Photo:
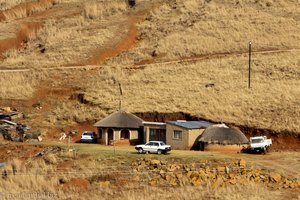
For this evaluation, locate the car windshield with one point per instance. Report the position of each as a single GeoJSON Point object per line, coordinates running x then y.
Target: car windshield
{"type": "Point", "coordinates": [257, 140]}
{"type": "Point", "coordinates": [162, 144]}
{"type": "Point", "coordinates": [87, 133]}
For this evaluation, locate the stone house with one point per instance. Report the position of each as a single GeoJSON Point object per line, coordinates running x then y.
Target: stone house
{"type": "Point", "coordinates": [183, 134]}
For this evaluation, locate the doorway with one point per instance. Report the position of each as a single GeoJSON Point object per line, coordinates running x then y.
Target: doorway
{"type": "Point", "coordinates": [110, 136]}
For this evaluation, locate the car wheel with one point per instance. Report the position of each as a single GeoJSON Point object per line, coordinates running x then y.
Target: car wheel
{"type": "Point", "coordinates": [159, 151]}
{"type": "Point", "coordinates": [140, 150]}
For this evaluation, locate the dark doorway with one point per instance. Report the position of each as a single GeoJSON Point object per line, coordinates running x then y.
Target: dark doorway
{"type": "Point", "coordinates": [100, 133]}
{"type": "Point", "coordinates": [157, 135]}
{"type": "Point", "coordinates": [201, 146]}
{"type": "Point", "coordinates": [110, 136]}
{"type": "Point", "coordinates": [125, 134]}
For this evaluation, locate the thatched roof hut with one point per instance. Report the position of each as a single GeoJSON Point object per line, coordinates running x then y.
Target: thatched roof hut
{"type": "Point", "coordinates": [120, 119]}
{"type": "Point", "coordinates": [223, 135]}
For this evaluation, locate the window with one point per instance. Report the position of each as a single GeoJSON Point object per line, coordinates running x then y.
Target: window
{"type": "Point", "coordinates": [177, 135]}
{"type": "Point", "coordinates": [152, 133]}
{"type": "Point", "coordinates": [162, 144]}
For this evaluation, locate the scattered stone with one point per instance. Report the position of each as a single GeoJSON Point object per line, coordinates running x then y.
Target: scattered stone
{"type": "Point", "coordinates": [275, 177]}
{"type": "Point", "coordinates": [155, 162]}
{"type": "Point", "coordinates": [232, 181]}
{"type": "Point", "coordinates": [242, 163]}
{"type": "Point", "coordinates": [104, 183]}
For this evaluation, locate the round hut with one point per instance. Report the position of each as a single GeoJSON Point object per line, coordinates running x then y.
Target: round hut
{"type": "Point", "coordinates": [223, 138]}
{"type": "Point", "coordinates": [120, 127]}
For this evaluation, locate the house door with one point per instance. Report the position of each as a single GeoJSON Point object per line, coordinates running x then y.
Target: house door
{"type": "Point", "coordinates": [110, 136]}
{"type": "Point", "coordinates": [157, 135]}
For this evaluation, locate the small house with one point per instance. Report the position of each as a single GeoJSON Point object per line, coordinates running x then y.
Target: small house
{"type": "Point", "coordinates": [120, 128]}
{"type": "Point", "coordinates": [221, 137]}
{"type": "Point", "coordinates": [183, 134]}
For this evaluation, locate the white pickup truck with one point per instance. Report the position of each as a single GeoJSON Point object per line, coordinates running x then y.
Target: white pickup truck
{"type": "Point", "coordinates": [260, 144]}
{"type": "Point", "coordinates": [158, 147]}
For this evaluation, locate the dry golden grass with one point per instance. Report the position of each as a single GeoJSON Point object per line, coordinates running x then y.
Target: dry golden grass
{"type": "Point", "coordinates": [189, 28]}
{"type": "Point", "coordinates": [7, 4]}
{"type": "Point", "coordinates": [100, 9]}
{"type": "Point", "coordinates": [182, 87]}
{"type": "Point", "coordinates": [65, 41]}
{"type": "Point", "coordinates": [28, 179]}
{"type": "Point", "coordinates": [38, 177]}
{"type": "Point", "coordinates": [9, 30]}
{"type": "Point", "coordinates": [17, 85]}
{"type": "Point", "coordinates": [24, 11]}
{"type": "Point", "coordinates": [74, 112]}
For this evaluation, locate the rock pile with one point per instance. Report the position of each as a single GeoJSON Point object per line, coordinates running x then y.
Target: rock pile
{"type": "Point", "coordinates": [216, 173]}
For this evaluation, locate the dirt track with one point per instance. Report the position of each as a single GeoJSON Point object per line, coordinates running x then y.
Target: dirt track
{"type": "Point", "coordinates": [100, 58]}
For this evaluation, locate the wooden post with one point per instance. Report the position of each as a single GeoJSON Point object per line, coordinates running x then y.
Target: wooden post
{"type": "Point", "coordinates": [69, 142]}
{"type": "Point", "coordinates": [114, 147]}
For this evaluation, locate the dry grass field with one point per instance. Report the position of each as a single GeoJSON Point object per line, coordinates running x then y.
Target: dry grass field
{"type": "Point", "coordinates": [86, 176]}
{"type": "Point", "coordinates": [186, 56]}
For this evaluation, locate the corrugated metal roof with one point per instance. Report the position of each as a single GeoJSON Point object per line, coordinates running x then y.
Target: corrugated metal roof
{"type": "Point", "coordinates": [154, 123]}
{"type": "Point", "coordinates": [191, 124]}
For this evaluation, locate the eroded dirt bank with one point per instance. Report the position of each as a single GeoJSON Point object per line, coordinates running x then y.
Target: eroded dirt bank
{"type": "Point", "coordinates": [283, 140]}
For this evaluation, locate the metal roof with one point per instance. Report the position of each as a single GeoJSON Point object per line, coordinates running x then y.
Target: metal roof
{"type": "Point", "coordinates": [154, 123]}
{"type": "Point", "coordinates": [191, 124]}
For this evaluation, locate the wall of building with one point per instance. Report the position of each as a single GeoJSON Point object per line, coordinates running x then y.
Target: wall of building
{"type": "Point", "coordinates": [176, 143]}
{"type": "Point", "coordinates": [134, 136]}
{"type": "Point", "coordinates": [147, 131]}
{"type": "Point", "coordinates": [193, 138]}
{"type": "Point", "coordinates": [102, 136]}
{"type": "Point", "coordinates": [224, 148]}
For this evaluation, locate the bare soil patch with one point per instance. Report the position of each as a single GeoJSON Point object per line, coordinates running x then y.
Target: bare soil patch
{"type": "Point", "coordinates": [21, 38]}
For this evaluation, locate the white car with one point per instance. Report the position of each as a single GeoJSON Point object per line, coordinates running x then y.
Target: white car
{"type": "Point", "coordinates": [158, 147]}
{"type": "Point", "coordinates": [260, 144]}
{"type": "Point", "coordinates": [88, 136]}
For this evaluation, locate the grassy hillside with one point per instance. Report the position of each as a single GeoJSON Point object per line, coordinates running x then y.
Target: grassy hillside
{"type": "Point", "coordinates": [214, 35]}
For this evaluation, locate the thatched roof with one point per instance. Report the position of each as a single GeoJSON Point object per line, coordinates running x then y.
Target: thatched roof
{"type": "Point", "coordinates": [120, 119]}
{"type": "Point", "coordinates": [223, 135]}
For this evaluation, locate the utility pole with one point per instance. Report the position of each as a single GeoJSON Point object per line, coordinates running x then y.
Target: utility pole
{"type": "Point", "coordinates": [121, 94]}
{"type": "Point", "coordinates": [249, 70]}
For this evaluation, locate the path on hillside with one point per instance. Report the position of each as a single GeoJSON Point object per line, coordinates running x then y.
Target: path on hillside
{"type": "Point", "coordinates": [121, 44]}
{"type": "Point", "coordinates": [102, 58]}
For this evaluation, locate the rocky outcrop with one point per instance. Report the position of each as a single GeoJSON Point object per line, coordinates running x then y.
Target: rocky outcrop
{"type": "Point", "coordinates": [216, 173]}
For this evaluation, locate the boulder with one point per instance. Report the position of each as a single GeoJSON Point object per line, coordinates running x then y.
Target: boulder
{"type": "Point", "coordinates": [153, 183]}
{"type": "Point", "coordinates": [155, 162]}
{"type": "Point", "coordinates": [221, 169]}
{"type": "Point", "coordinates": [104, 183]}
{"type": "Point", "coordinates": [242, 162]}
{"type": "Point", "coordinates": [275, 177]}
{"type": "Point", "coordinates": [232, 181]}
